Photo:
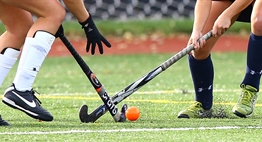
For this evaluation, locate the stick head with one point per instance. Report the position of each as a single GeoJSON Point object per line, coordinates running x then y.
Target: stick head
{"type": "Point", "coordinates": [83, 113]}
{"type": "Point", "coordinates": [123, 113]}
{"type": "Point", "coordinates": [93, 116]}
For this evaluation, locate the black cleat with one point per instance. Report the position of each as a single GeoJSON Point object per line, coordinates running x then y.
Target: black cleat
{"type": "Point", "coordinates": [3, 122]}
{"type": "Point", "coordinates": [26, 102]}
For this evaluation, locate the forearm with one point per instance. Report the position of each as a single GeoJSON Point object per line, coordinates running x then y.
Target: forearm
{"type": "Point", "coordinates": [202, 10]}
{"type": "Point", "coordinates": [236, 7]}
{"type": "Point", "coordinates": [77, 8]}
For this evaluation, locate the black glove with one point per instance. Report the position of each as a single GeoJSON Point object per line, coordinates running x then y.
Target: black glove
{"type": "Point", "coordinates": [93, 36]}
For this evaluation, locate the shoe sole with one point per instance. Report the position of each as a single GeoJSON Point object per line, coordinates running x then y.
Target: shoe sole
{"type": "Point", "coordinates": [183, 116]}
{"type": "Point", "coordinates": [241, 115]}
{"type": "Point", "coordinates": [29, 113]}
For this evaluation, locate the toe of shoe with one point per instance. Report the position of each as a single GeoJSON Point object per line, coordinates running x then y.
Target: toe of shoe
{"type": "Point", "coordinates": [242, 111]}
{"type": "Point", "coordinates": [182, 116]}
{"type": "Point", "coordinates": [4, 123]}
{"type": "Point", "coordinates": [45, 117]}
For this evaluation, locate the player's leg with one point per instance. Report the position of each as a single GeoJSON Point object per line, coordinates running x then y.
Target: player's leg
{"type": "Point", "coordinates": [14, 36]}
{"type": "Point", "coordinates": [201, 68]}
{"type": "Point", "coordinates": [12, 39]}
{"type": "Point", "coordinates": [251, 81]}
{"type": "Point", "coordinates": [49, 14]}
{"type": "Point", "coordinates": [36, 47]}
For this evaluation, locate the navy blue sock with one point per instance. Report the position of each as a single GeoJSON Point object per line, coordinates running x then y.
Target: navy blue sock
{"type": "Point", "coordinates": [254, 61]}
{"type": "Point", "coordinates": [202, 73]}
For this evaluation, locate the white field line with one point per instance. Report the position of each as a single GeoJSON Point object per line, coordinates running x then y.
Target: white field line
{"type": "Point", "coordinates": [130, 130]}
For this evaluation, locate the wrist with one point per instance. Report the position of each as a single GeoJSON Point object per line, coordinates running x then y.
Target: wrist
{"type": "Point", "coordinates": [87, 22]}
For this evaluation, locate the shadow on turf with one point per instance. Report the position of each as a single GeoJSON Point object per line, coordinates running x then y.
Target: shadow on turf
{"type": "Point", "coordinates": [218, 111]}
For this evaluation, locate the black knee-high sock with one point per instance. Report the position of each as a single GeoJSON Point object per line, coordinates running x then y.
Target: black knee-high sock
{"type": "Point", "coordinates": [202, 73]}
{"type": "Point", "coordinates": [254, 61]}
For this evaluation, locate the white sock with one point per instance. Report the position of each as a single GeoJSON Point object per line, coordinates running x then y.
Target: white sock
{"type": "Point", "coordinates": [33, 55]}
{"type": "Point", "coordinates": [7, 60]}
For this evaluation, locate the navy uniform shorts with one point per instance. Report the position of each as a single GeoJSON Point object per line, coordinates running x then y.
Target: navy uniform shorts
{"type": "Point", "coordinates": [245, 15]}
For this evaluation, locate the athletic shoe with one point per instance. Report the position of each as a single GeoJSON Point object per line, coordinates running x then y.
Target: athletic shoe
{"type": "Point", "coordinates": [26, 102]}
{"type": "Point", "coordinates": [195, 111]}
{"type": "Point", "coordinates": [3, 122]}
{"type": "Point", "coordinates": [246, 102]}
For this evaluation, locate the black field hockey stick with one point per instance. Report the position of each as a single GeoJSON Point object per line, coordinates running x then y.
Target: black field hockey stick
{"type": "Point", "coordinates": [118, 117]}
{"type": "Point", "coordinates": [130, 89]}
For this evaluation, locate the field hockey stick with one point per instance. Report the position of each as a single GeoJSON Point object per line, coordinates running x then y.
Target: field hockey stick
{"type": "Point", "coordinates": [118, 117]}
{"type": "Point", "coordinates": [130, 89]}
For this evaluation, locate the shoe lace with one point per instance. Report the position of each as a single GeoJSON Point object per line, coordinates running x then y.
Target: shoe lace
{"type": "Point", "coordinates": [198, 110]}
{"type": "Point", "coordinates": [247, 97]}
{"type": "Point", "coordinates": [195, 107]}
{"type": "Point", "coordinates": [33, 93]}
